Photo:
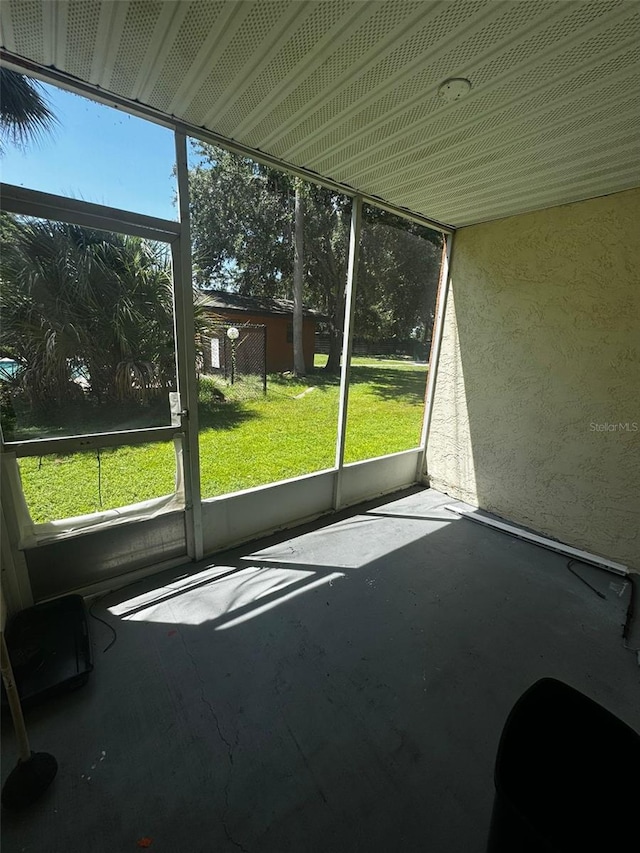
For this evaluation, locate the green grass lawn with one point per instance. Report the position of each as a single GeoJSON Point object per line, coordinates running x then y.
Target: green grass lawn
{"type": "Point", "coordinates": [245, 440]}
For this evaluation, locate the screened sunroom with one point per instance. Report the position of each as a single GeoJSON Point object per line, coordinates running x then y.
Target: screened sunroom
{"type": "Point", "coordinates": [328, 584]}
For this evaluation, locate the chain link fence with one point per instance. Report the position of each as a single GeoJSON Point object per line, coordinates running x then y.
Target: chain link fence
{"type": "Point", "coordinates": [236, 357]}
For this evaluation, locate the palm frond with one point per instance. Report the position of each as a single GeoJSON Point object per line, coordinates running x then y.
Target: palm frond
{"type": "Point", "coordinates": [24, 113]}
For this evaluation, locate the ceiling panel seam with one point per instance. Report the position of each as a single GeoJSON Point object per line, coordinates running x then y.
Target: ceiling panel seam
{"type": "Point", "coordinates": [200, 17]}
{"type": "Point", "coordinates": [19, 27]}
{"type": "Point", "coordinates": [534, 165]}
{"type": "Point", "coordinates": [351, 28]}
{"type": "Point", "coordinates": [408, 71]}
{"type": "Point", "coordinates": [226, 65]}
{"type": "Point", "coordinates": [100, 39]}
{"type": "Point", "coordinates": [171, 18]}
{"type": "Point", "coordinates": [68, 82]}
{"type": "Point", "coordinates": [216, 42]}
{"type": "Point", "coordinates": [112, 18]}
{"type": "Point", "coordinates": [408, 104]}
{"type": "Point", "coordinates": [61, 35]}
{"type": "Point", "coordinates": [482, 215]}
{"type": "Point", "coordinates": [598, 177]}
{"type": "Point", "coordinates": [506, 77]}
{"type": "Point", "coordinates": [7, 34]}
{"type": "Point", "coordinates": [447, 148]}
{"type": "Point", "coordinates": [528, 192]}
{"type": "Point", "coordinates": [134, 44]}
{"type": "Point", "coordinates": [377, 52]}
{"type": "Point", "coordinates": [339, 33]}
{"type": "Point", "coordinates": [552, 115]}
{"type": "Point", "coordinates": [48, 32]}
{"type": "Point", "coordinates": [80, 56]}
{"type": "Point", "coordinates": [598, 189]}
{"type": "Point", "coordinates": [296, 13]}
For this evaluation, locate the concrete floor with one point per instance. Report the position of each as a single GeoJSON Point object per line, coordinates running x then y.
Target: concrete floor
{"type": "Point", "coordinates": [341, 688]}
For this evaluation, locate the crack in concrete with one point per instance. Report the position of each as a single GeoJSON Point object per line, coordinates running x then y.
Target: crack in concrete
{"type": "Point", "coordinates": [207, 703]}
{"type": "Point", "coordinates": [231, 839]}
{"type": "Point", "coordinates": [306, 763]}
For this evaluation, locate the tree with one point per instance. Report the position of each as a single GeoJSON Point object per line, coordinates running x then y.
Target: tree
{"type": "Point", "coordinates": [75, 300]}
{"type": "Point", "coordinates": [298, 281]}
{"type": "Point", "coordinates": [327, 218]}
{"type": "Point", "coordinates": [398, 277]}
{"type": "Point", "coordinates": [243, 226]}
{"type": "Point", "coordinates": [24, 114]}
{"type": "Point", "coordinates": [243, 222]}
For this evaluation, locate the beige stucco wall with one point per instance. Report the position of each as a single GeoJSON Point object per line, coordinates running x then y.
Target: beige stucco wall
{"type": "Point", "coordinates": [541, 347]}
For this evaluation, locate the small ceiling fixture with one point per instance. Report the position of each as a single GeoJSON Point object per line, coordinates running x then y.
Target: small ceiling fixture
{"type": "Point", "coordinates": [453, 89]}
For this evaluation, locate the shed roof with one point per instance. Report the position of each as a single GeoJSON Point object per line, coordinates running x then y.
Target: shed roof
{"type": "Point", "coordinates": [221, 300]}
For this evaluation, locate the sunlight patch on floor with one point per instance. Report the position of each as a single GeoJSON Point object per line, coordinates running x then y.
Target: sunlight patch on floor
{"type": "Point", "coordinates": [213, 594]}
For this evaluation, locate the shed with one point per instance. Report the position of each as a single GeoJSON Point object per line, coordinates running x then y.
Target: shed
{"type": "Point", "coordinates": [276, 315]}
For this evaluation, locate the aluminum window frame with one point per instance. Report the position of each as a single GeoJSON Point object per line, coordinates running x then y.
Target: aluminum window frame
{"type": "Point", "coordinates": [177, 235]}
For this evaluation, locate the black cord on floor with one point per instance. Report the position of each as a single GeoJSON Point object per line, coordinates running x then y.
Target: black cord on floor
{"type": "Point", "coordinates": [629, 618]}
{"type": "Point", "coordinates": [585, 582]}
{"type": "Point", "coordinates": [98, 619]}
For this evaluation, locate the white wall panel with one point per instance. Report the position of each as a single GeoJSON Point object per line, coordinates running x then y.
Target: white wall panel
{"type": "Point", "coordinates": [235, 518]}
{"type": "Point", "coordinates": [364, 480]}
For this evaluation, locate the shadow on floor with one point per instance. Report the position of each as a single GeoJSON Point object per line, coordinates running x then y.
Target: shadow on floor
{"type": "Point", "coordinates": [342, 687]}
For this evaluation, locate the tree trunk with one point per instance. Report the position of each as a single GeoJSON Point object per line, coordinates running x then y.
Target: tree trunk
{"type": "Point", "coordinates": [337, 330]}
{"type": "Point", "coordinates": [298, 280]}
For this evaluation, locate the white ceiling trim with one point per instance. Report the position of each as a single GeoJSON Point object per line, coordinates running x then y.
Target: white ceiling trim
{"type": "Point", "coordinates": [294, 15]}
{"type": "Point", "coordinates": [59, 29]}
{"type": "Point", "coordinates": [217, 41]}
{"type": "Point", "coordinates": [7, 32]}
{"type": "Point", "coordinates": [527, 172]}
{"type": "Point", "coordinates": [589, 186]}
{"type": "Point", "coordinates": [142, 111]}
{"type": "Point", "coordinates": [171, 17]}
{"type": "Point", "coordinates": [110, 30]}
{"type": "Point", "coordinates": [48, 25]}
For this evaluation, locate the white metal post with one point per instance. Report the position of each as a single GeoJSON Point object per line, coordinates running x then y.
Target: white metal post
{"type": "Point", "coordinates": [347, 343]}
{"type": "Point", "coordinates": [16, 585]}
{"type": "Point", "coordinates": [186, 356]}
{"type": "Point", "coordinates": [434, 355]}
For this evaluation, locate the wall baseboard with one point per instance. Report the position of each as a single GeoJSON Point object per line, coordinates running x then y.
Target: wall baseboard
{"type": "Point", "coordinates": [477, 515]}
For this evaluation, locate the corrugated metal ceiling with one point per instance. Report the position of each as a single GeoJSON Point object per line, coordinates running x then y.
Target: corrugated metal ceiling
{"type": "Point", "coordinates": [350, 89]}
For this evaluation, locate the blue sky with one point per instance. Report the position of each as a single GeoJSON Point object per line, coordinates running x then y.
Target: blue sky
{"type": "Point", "coordinates": [98, 154]}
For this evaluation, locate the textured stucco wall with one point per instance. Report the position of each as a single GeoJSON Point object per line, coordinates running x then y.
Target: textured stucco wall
{"type": "Point", "coordinates": [542, 341]}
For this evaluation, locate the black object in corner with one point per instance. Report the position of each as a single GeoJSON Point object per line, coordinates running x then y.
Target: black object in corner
{"type": "Point", "coordinates": [50, 648]}
{"type": "Point", "coordinates": [566, 776]}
